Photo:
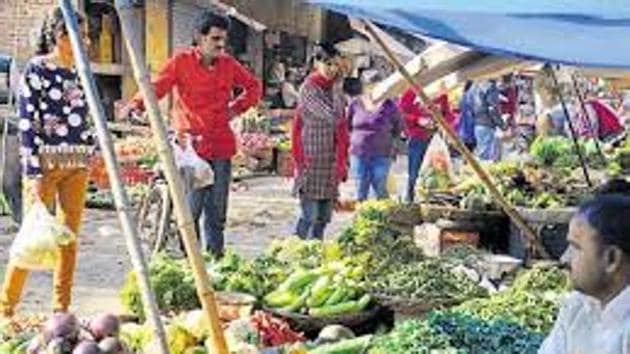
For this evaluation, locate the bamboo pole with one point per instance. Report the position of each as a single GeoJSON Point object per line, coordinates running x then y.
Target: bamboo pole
{"type": "Point", "coordinates": [185, 221]}
{"type": "Point", "coordinates": [576, 144]}
{"type": "Point", "coordinates": [459, 145]}
{"type": "Point", "coordinates": [111, 163]}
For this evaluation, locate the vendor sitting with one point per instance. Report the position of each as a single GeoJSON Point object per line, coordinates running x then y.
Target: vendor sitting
{"type": "Point", "coordinates": [596, 318]}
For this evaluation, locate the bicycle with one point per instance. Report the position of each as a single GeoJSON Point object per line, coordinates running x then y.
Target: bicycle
{"type": "Point", "coordinates": [156, 225]}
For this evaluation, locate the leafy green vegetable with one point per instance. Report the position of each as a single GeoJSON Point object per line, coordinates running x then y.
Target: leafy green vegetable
{"type": "Point", "coordinates": [431, 280]}
{"type": "Point", "coordinates": [373, 239]}
{"type": "Point", "coordinates": [448, 332]}
{"type": "Point", "coordinates": [412, 337]}
{"type": "Point", "coordinates": [532, 302]}
{"type": "Point", "coordinates": [546, 150]}
{"type": "Point", "coordinates": [475, 336]}
{"type": "Point", "coordinates": [172, 283]}
{"type": "Point", "coordinates": [347, 346]}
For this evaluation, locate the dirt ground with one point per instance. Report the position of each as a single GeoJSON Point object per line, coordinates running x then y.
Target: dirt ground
{"type": "Point", "coordinates": [256, 216]}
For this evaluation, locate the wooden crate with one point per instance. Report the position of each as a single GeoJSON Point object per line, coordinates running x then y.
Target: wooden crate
{"type": "Point", "coordinates": [435, 238]}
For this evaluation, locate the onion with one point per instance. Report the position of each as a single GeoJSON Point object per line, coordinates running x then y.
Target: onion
{"type": "Point", "coordinates": [58, 345]}
{"type": "Point", "coordinates": [111, 345]}
{"type": "Point", "coordinates": [61, 324]}
{"type": "Point", "coordinates": [87, 347]}
{"type": "Point", "coordinates": [35, 346]}
{"type": "Point", "coordinates": [105, 325]}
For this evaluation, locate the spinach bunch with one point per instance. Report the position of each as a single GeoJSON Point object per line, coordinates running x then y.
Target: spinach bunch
{"type": "Point", "coordinates": [480, 337]}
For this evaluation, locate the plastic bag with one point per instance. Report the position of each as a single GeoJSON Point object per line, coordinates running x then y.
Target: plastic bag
{"type": "Point", "coordinates": [37, 243]}
{"type": "Point", "coordinates": [436, 171]}
{"type": "Point", "coordinates": [187, 158]}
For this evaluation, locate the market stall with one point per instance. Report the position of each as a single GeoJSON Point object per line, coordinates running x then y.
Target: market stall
{"type": "Point", "coordinates": [356, 292]}
{"type": "Point", "coordinates": [320, 297]}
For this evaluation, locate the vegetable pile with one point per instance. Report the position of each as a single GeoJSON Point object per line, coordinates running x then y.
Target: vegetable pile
{"type": "Point", "coordinates": [188, 333]}
{"type": "Point", "coordinates": [525, 185]}
{"type": "Point", "coordinates": [456, 333]}
{"type": "Point", "coordinates": [532, 301]}
{"type": "Point", "coordinates": [63, 333]}
{"type": "Point", "coordinates": [16, 334]}
{"type": "Point", "coordinates": [137, 155]}
{"type": "Point", "coordinates": [513, 321]}
{"type": "Point", "coordinates": [330, 279]}
{"type": "Point", "coordinates": [173, 283]}
{"type": "Point", "coordinates": [274, 331]}
{"type": "Point", "coordinates": [327, 291]}
{"type": "Point", "coordinates": [412, 336]}
{"type": "Point", "coordinates": [429, 280]}
{"type": "Point", "coordinates": [372, 239]}
{"type": "Point", "coordinates": [255, 143]}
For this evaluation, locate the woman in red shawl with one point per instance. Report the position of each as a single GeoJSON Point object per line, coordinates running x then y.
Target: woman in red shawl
{"type": "Point", "coordinates": [608, 124]}
{"type": "Point", "coordinates": [320, 142]}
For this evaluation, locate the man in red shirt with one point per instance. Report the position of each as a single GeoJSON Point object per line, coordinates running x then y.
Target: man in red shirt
{"type": "Point", "coordinates": [202, 79]}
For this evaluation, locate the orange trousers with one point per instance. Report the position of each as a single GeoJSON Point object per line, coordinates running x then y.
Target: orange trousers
{"type": "Point", "coordinates": [65, 188]}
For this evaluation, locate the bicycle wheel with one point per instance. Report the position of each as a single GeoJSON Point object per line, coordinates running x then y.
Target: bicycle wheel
{"type": "Point", "coordinates": [148, 219]}
{"type": "Point", "coordinates": [163, 226]}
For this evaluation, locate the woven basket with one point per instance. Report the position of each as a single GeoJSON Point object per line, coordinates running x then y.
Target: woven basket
{"type": "Point", "coordinates": [360, 323]}
{"type": "Point", "coordinates": [413, 307]}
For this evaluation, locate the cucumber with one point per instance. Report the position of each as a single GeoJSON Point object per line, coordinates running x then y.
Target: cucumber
{"type": "Point", "coordinates": [321, 291]}
{"type": "Point", "coordinates": [298, 280]}
{"type": "Point", "coordinates": [337, 296]}
{"type": "Point", "coordinates": [348, 346]}
{"type": "Point", "coordinates": [351, 293]}
{"type": "Point", "coordinates": [364, 301]}
{"type": "Point", "coordinates": [321, 284]}
{"type": "Point", "coordinates": [317, 300]}
{"type": "Point", "coordinates": [280, 298]}
{"type": "Point", "coordinates": [335, 310]}
{"type": "Point", "coordinates": [297, 304]}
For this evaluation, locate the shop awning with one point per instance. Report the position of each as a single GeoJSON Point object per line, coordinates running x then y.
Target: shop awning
{"type": "Point", "coordinates": [590, 33]}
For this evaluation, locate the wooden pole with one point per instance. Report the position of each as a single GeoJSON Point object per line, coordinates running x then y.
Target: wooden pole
{"type": "Point", "coordinates": [576, 144]}
{"type": "Point", "coordinates": [186, 224]}
{"type": "Point", "coordinates": [111, 163]}
{"type": "Point", "coordinates": [459, 145]}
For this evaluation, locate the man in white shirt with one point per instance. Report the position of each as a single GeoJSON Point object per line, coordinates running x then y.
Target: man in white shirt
{"type": "Point", "coordinates": [596, 318]}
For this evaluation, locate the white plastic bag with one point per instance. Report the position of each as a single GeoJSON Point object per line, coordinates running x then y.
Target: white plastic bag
{"type": "Point", "coordinates": [436, 171]}
{"type": "Point", "coordinates": [36, 245]}
{"type": "Point", "coordinates": [187, 158]}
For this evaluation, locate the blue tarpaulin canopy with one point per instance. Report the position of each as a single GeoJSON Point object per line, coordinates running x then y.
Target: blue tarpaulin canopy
{"type": "Point", "coordinates": [593, 33]}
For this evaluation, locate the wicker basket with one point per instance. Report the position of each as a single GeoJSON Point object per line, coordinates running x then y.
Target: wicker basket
{"type": "Point", "coordinates": [360, 323]}
{"type": "Point", "coordinates": [413, 307]}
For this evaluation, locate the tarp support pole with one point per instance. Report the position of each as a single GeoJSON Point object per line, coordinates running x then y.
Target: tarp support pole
{"type": "Point", "coordinates": [594, 134]}
{"type": "Point", "coordinates": [111, 163]}
{"type": "Point", "coordinates": [529, 233]}
{"type": "Point", "coordinates": [576, 144]}
{"type": "Point", "coordinates": [180, 206]}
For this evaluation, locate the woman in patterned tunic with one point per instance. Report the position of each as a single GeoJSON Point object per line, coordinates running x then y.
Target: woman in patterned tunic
{"type": "Point", "coordinates": [55, 147]}
{"type": "Point", "coordinates": [320, 142]}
